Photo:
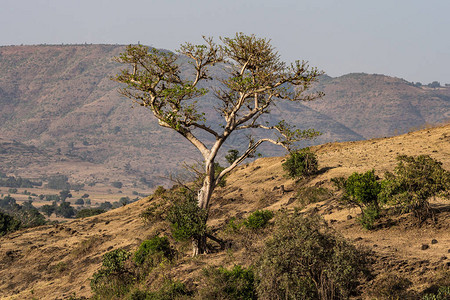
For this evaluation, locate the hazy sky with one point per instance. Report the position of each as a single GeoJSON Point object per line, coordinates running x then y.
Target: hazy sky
{"type": "Point", "coordinates": [409, 39]}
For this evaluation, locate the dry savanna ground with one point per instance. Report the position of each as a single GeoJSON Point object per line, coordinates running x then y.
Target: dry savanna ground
{"type": "Point", "coordinates": [56, 261]}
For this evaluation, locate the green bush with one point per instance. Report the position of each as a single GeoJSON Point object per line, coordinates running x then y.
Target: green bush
{"type": "Point", "coordinates": [113, 279]}
{"type": "Point", "coordinates": [305, 259]}
{"type": "Point", "coordinates": [362, 189]}
{"type": "Point", "coordinates": [301, 163]}
{"type": "Point", "coordinates": [258, 219]}
{"type": "Point", "coordinates": [186, 218]}
{"type": "Point", "coordinates": [88, 212]}
{"type": "Point", "coordinates": [150, 249]}
{"type": "Point", "coordinates": [117, 184]}
{"type": "Point", "coordinates": [415, 180]}
{"type": "Point", "coordinates": [443, 293]}
{"type": "Point", "coordinates": [8, 223]}
{"type": "Point", "coordinates": [220, 283]}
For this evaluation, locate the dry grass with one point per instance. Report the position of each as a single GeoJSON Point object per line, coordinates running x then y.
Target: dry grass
{"type": "Point", "coordinates": [56, 261]}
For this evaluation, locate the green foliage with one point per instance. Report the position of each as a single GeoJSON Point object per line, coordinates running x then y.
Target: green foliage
{"type": "Point", "coordinates": [48, 209]}
{"type": "Point", "coordinates": [232, 155]}
{"type": "Point", "coordinates": [443, 293]}
{"type": "Point", "coordinates": [124, 201]}
{"type": "Point", "coordinates": [414, 182]}
{"type": "Point", "coordinates": [27, 214]}
{"type": "Point", "coordinates": [113, 279]}
{"type": "Point", "coordinates": [8, 223]}
{"type": "Point", "coordinates": [362, 189]}
{"type": "Point", "coordinates": [186, 218]}
{"type": "Point", "coordinates": [88, 212]}
{"type": "Point", "coordinates": [58, 182]}
{"type": "Point", "coordinates": [154, 251]}
{"type": "Point", "coordinates": [258, 219]}
{"type": "Point", "coordinates": [301, 163]}
{"type": "Point", "coordinates": [64, 194]}
{"type": "Point", "coordinates": [117, 184]}
{"type": "Point", "coordinates": [17, 182]}
{"type": "Point", "coordinates": [65, 210]}
{"type": "Point", "coordinates": [220, 283]}
{"type": "Point", "coordinates": [160, 190]}
{"type": "Point", "coordinates": [305, 259]}
{"type": "Point", "coordinates": [106, 205]}
{"type": "Point", "coordinates": [79, 201]}
{"type": "Point", "coordinates": [52, 198]}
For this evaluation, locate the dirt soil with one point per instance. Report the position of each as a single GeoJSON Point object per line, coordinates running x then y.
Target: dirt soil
{"type": "Point", "coordinates": [56, 261]}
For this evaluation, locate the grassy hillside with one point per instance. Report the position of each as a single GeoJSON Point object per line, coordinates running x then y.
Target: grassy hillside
{"type": "Point", "coordinates": [56, 261]}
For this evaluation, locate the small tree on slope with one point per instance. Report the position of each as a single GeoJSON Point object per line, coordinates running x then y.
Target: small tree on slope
{"type": "Point", "coordinates": [257, 79]}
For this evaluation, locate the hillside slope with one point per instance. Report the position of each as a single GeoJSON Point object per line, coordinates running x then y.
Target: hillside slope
{"type": "Point", "coordinates": [55, 261]}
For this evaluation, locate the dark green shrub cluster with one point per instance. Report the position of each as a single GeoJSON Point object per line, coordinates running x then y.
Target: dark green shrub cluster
{"type": "Point", "coordinates": [443, 293]}
{"type": "Point", "coordinates": [362, 189]}
{"type": "Point", "coordinates": [305, 259]}
{"type": "Point", "coordinates": [114, 278]}
{"type": "Point", "coordinates": [8, 223]}
{"type": "Point", "coordinates": [17, 182]}
{"type": "Point", "coordinates": [153, 251]}
{"type": "Point", "coordinates": [220, 283]}
{"type": "Point", "coordinates": [58, 182]}
{"type": "Point", "coordinates": [258, 219]}
{"type": "Point", "coordinates": [301, 163]}
{"type": "Point", "coordinates": [414, 181]}
{"type": "Point", "coordinates": [186, 218]}
{"type": "Point", "coordinates": [26, 214]}
{"type": "Point", "coordinates": [88, 212]}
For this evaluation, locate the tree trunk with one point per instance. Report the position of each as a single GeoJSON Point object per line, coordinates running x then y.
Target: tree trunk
{"type": "Point", "coordinates": [204, 195]}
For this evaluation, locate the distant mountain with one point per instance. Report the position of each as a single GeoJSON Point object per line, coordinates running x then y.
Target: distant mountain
{"type": "Point", "coordinates": [61, 101]}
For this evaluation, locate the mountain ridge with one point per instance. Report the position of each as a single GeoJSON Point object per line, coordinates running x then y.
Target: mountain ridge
{"type": "Point", "coordinates": [60, 98]}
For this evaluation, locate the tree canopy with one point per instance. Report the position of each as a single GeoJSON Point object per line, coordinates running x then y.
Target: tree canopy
{"type": "Point", "coordinates": [256, 80]}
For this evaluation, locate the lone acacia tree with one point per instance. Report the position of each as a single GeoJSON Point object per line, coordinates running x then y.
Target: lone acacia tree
{"type": "Point", "coordinates": [257, 79]}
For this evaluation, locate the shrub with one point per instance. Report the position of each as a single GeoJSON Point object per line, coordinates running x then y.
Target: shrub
{"type": "Point", "coordinates": [306, 260]}
{"type": "Point", "coordinates": [220, 283]}
{"type": "Point", "coordinates": [232, 155]}
{"type": "Point", "coordinates": [8, 223]}
{"type": "Point", "coordinates": [65, 210]}
{"type": "Point", "coordinates": [443, 293]}
{"type": "Point", "coordinates": [186, 218]}
{"type": "Point", "coordinates": [301, 163]}
{"type": "Point", "coordinates": [88, 212]}
{"type": "Point", "coordinates": [113, 279]}
{"type": "Point", "coordinates": [153, 251]}
{"type": "Point", "coordinates": [416, 179]}
{"type": "Point", "coordinates": [79, 201]}
{"type": "Point", "coordinates": [258, 219]}
{"type": "Point", "coordinates": [362, 189]}
{"type": "Point", "coordinates": [160, 190]}
{"type": "Point", "coordinates": [117, 184]}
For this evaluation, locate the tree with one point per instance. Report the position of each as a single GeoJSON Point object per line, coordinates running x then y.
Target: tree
{"type": "Point", "coordinates": [256, 80]}
{"type": "Point", "coordinates": [64, 194]}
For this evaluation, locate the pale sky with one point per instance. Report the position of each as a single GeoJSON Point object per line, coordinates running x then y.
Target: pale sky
{"type": "Point", "coordinates": [409, 39]}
